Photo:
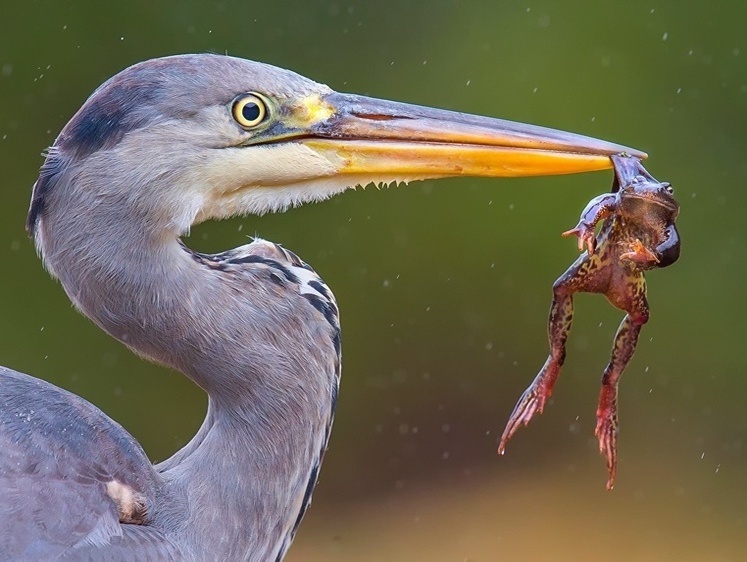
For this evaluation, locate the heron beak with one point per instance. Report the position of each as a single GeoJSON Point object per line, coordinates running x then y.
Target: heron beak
{"type": "Point", "coordinates": [371, 138]}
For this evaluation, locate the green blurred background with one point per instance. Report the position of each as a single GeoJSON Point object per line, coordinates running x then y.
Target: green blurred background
{"type": "Point", "coordinates": [444, 286]}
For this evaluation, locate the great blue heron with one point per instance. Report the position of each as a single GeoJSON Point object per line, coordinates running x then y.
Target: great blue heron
{"type": "Point", "coordinates": [164, 145]}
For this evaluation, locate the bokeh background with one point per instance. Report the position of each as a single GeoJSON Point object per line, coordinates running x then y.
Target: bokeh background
{"type": "Point", "coordinates": [444, 286]}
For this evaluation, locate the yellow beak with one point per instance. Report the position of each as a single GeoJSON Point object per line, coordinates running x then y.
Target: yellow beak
{"type": "Point", "coordinates": [367, 137]}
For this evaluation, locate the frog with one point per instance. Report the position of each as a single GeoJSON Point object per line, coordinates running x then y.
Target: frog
{"type": "Point", "coordinates": [638, 234]}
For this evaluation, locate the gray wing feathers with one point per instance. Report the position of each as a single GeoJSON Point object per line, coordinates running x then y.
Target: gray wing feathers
{"type": "Point", "coordinates": [137, 543]}
{"type": "Point", "coordinates": [57, 454]}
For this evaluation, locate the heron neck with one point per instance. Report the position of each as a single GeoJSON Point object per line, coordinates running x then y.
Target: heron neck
{"type": "Point", "coordinates": [253, 348]}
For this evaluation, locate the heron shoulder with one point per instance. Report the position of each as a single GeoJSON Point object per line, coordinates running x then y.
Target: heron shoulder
{"type": "Point", "coordinates": [49, 439]}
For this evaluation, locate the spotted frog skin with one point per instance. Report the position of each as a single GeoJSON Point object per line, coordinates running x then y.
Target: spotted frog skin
{"type": "Point", "coordinates": [638, 233]}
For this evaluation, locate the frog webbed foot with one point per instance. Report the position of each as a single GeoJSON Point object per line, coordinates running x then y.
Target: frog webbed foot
{"type": "Point", "coordinates": [606, 430]}
{"type": "Point", "coordinates": [532, 401]}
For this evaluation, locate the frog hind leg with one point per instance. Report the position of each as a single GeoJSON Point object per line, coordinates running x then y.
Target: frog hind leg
{"type": "Point", "coordinates": [533, 399]}
{"type": "Point", "coordinates": [635, 304]}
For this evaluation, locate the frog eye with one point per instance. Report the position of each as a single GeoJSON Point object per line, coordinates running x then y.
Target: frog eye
{"type": "Point", "coordinates": [249, 110]}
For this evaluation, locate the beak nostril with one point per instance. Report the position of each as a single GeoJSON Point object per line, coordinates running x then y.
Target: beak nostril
{"type": "Point", "coordinates": [377, 116]}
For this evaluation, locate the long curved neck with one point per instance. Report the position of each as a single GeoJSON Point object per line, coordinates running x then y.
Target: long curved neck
{"type": "Point", "coordinates": [265, 356]}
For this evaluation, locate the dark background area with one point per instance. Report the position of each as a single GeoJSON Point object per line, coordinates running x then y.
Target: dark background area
{"type": "Point", "coordinates": [444, 286]}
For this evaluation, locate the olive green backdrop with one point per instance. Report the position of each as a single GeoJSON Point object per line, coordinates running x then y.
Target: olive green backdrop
{"type": "Point", "coordinates": [444, 286]}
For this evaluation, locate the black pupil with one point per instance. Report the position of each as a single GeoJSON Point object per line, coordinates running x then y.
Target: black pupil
{"type": "Point", "coordinates": [251, 111]}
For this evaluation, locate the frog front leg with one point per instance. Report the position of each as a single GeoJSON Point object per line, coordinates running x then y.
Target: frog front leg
{"type": "Point", "coordinates": [533, 399]}
{"type": "Point", "coordinates": [599, 208]}
{"type": "Point", "coordinates": [629, 295]}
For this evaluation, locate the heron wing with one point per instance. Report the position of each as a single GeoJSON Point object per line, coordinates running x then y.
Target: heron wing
{"type": "Point", "coordinates": [66, 469]}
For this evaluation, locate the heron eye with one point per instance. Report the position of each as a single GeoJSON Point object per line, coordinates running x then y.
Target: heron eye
{"type": "Point", "coordinates": [249, 110]}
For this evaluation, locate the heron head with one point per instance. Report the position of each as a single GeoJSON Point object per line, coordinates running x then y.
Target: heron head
{"type": "Point", "coordinates": [186, 138]}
